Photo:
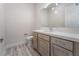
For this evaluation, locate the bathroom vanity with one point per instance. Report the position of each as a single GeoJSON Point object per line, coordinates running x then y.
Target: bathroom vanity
{"type": "Point", "coordinates": [56, 43]}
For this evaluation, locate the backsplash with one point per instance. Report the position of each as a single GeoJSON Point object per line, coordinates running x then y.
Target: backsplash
{"type": "Point", "coordinates": [65, 29]}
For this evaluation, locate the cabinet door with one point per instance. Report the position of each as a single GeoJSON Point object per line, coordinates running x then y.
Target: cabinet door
{"type": "Point", "coordinates": [52, 51]}
{"type": "Point", "coordinates": [35, 42]}
{"type": "Point", "coordinates": [58, 51]}
{"type": "Point", "coordinates": [76, 49]}
{"type": "Point", "coordinates": [43, 47]}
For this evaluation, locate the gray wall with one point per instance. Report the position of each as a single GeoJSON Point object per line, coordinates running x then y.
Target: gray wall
{"type": "Point", "coordinates": [2, 21]}
{"type": "Point", "coordinates": [19, 20]}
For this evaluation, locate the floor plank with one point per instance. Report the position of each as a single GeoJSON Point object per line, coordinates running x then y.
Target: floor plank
{"type": "Point", "coordinates": [21, 50]}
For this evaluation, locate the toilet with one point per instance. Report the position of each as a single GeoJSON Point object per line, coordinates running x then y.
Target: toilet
{"type": "Point", "coordinates": [28, 40]}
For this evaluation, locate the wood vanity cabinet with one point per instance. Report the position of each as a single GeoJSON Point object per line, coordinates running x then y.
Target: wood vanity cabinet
{"type": "Point", "coordinates": [43, 44]}
{"type": "Point", "coordinates": [55, 46]}
{"type": "Point", "coordinates": [35, 40]}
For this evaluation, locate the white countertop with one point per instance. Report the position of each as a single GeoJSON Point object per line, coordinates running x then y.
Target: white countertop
{"type": "Point", "coordinates": [61, 34]}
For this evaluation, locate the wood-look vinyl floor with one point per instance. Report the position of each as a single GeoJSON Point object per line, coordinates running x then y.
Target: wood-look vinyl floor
{"type": "Point", "coordinates": [21, 50]}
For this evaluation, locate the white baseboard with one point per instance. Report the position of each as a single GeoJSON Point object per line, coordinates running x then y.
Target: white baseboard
{"type": "Point", "coordinates": [2, 49]}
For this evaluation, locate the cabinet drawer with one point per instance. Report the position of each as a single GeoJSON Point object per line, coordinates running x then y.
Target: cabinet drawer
{"type": "Point", "coordinates": [35, 37]}
{"type": "Point", "coordinates": [43, 36]}
{"type": "Point", "coordinates": [34, 34]}
{"type": "Point", "coordinates": [63, 43]}
{"type": "Point", "coordinates": [58, 51]}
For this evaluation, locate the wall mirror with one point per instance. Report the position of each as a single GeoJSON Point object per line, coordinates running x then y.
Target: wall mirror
{"type": "Point", "coordinates": [63, 14]}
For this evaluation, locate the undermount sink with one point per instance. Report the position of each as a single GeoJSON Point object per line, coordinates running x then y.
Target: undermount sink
{"type": "Point", "coordinates": [46, 30]}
